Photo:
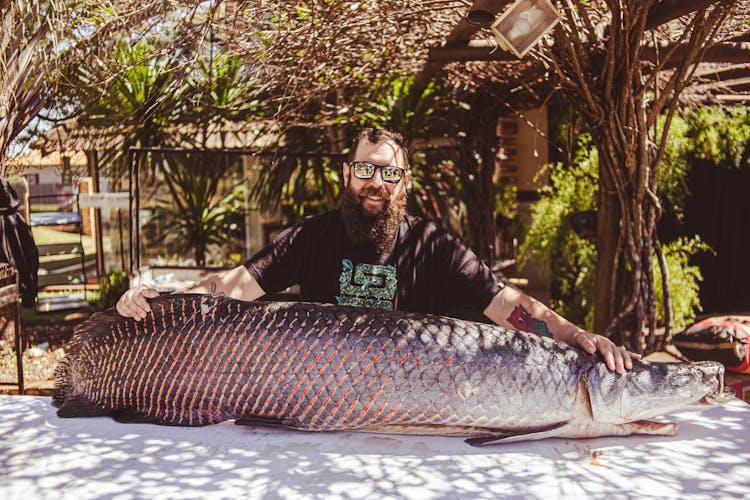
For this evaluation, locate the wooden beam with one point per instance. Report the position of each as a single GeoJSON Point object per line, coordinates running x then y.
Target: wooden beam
{"type": "Point", "coordinates": [733, 98]}
{"type": "Point", "coordinates": [724, 73]}
{"type": "Point", "coordinates": [740, 86]}
{"type": "Point", "coordinates": [718, 53]}
{"type": "Point", "coordinates": [460, 35]}
{"type": "Point", "coordinates": [737, 85]}
{"type": "Point", "coordinates": [742, 37]}
{"type": "Point", "coordinates": [473, 50]}
{"type": "Point", "coordinates": [481, 50]}
{"type": "Point", "coordinates": [667, 10]}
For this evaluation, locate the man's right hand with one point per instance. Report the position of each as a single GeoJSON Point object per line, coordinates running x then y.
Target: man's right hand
{"type": "Point", "coordinates": [133, 303]}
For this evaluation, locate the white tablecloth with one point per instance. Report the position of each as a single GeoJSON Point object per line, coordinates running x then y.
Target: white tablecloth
{"type": "Point", "coordinates": [42, 456]}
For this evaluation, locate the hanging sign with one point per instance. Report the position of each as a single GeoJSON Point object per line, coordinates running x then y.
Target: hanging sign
{"type": "Point", "coordinates": [112, 201]}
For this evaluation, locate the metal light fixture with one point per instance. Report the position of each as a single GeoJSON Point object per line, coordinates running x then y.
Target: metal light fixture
{"type": "Point", "coordinates": [481, 18]}
{"type": "Point", "coordinates": [482, 12]}
{"type": "Point", "coordinates": [524, 24]}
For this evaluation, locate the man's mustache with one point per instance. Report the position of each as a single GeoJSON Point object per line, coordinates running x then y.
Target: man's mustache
{"type": "Point", "coordinates": [372, 191]}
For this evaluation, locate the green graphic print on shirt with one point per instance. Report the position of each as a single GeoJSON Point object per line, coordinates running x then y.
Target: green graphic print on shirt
{"type": "Point", "coordinates": [369, 285]}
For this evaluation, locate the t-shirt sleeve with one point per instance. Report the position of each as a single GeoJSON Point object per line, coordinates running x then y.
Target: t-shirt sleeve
{"type": "Point", "coordinates": [469, 282]}
{"type": "Point", "coordinates": [277, 266]}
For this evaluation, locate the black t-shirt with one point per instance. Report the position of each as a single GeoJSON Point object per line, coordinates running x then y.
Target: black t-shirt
{"type": "Point", "coordinates": [428, 271]}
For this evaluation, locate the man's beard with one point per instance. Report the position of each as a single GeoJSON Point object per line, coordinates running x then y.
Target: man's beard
{"type": "Point", "coordinates": [376, 231]}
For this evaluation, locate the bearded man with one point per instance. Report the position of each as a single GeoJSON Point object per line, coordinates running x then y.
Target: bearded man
{"type": "Point", "coordinates": [369, 252]}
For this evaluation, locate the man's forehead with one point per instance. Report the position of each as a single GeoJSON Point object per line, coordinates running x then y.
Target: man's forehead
{"type": "Point", "coordinates": [386, 151]}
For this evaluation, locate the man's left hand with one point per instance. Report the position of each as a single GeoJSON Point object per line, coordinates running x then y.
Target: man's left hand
{"type": "Point", "coordinates": [617, 358]}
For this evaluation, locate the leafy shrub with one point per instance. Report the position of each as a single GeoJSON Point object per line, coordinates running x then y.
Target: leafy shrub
{"type": "Point", "coordinates": [111, 288]}
{"type": "Point", "coordinates": [684, 280]}
{"type": "Point", "coordinates": [552, 244]}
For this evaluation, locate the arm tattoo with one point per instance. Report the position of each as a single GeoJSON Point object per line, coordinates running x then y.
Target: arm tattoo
{"type": "Point", "coordinates": [212, 289]}
{"type": "Point", "coordinates": [521, 318]}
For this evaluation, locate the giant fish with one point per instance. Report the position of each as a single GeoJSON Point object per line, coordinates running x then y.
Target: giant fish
{"type": "Point", "coordinates": [202, 359]}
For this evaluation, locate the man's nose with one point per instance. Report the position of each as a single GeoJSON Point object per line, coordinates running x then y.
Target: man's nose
{"type": "Point", "coordinates": [377, 178]}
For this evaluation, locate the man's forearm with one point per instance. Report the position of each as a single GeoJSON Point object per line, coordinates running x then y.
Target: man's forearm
{"type": "Point", "coordinates": [512, 308]}
{"type": "Point", "coordinates": [237, 283]}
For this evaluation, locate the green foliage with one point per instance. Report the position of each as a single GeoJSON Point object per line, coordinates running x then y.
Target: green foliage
{"type": "Point", "coordinates": [298, 184]}
{"type": "Point", "coordinates": [222, 91]}
{"type": "Point", "coordinates": [156, 97]}
{"type": "Point", "coordinates": [684, 280]}
{"type": "Point", "coordinates": [131, 99]}
{"type": "Point", "coordinates": [111, 288]}
{"type": "Point", "coordinates": [672, 176]}
{"type": "Point", "coordinates": [398, 106]}
{"type": "Point", "coordinates": [721, 134]}
{"type": "Point", "coordinates": [551, 243]}
{"type": "Point", "coordinates": [716, 134]}
{"type": "Point", "coordinates": [205, 206]}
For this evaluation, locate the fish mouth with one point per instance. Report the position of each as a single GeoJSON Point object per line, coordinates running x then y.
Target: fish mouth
{"type": "Point", "coordinates": [713, 374]}
{"type": "Point", "coordinates": [719, 397]}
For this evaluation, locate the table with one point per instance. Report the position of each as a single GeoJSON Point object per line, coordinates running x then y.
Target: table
{"type": "Point", "coordinates": [43, 456]}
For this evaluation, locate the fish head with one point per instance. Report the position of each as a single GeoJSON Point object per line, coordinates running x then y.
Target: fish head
{"type": "Point", "coordinates": [652, 389]}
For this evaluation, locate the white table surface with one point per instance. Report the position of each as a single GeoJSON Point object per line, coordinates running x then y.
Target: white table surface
{"type": "Point", "coordinates": [42, 456]}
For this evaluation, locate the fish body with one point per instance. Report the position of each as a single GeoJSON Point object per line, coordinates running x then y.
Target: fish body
{"type": "Point", "coordinates": [200, 359]}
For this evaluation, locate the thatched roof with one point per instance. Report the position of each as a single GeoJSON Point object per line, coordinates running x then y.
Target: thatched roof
{"type": "Point", "coordinates": [324, 53]}
{"type": "Point", "coordinates": [345, 44]}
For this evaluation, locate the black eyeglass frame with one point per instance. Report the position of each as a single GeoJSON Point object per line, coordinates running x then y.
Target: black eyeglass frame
{"type": "Point", "coordinates": [377, 166]}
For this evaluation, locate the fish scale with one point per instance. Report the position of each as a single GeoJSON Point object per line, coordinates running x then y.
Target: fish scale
{"type": "Point", "coordinates": [201, 359]}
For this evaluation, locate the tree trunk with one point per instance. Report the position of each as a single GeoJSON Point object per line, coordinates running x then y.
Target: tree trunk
{"type": "Point", "coordinates": [620, 99]}
{"type": "Point", "coordinates": [607, 235]}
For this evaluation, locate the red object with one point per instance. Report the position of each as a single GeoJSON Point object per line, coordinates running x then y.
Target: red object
{"type": "Point", "coordinates": [721, 338]}
{"type": "Point", "coordinates": [742, 390]}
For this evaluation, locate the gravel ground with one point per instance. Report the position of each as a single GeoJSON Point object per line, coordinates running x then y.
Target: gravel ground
{"type": "Point", "coordinates": [43, 342]}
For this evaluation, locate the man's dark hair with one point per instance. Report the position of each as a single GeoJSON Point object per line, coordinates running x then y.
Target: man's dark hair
{"type": "Point", "coordinates": [376, 136]}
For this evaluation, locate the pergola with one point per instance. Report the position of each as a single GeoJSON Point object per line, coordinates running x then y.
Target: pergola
{"type": "Point", "coordinates": [623, 63]}
{"type": "Point", "coordinates": [452, 38]}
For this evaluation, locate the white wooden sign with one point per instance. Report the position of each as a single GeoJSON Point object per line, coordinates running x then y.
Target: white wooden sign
{"type": "Point", "coordinates": [110, 201]}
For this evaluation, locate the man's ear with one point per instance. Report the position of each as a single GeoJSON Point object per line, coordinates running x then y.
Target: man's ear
{"type": "Point", "coordinates": [346, 172]}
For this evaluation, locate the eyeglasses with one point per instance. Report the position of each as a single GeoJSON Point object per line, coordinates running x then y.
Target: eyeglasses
{"type": "Point", "coordinates": [365, 170]}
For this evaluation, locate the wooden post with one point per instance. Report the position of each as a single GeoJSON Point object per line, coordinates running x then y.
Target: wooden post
{"type": "Point", "coordinates": [92, 159]}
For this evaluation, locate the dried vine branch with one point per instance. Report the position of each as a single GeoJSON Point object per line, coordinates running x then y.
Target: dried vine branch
{"type": "Point", "coordinates": [620, 117]}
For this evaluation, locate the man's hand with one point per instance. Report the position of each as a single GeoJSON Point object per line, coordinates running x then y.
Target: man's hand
{"type": "Point", "coordinates": [133, 303]}
{"type": "Point", "coordinates": [617, 358]}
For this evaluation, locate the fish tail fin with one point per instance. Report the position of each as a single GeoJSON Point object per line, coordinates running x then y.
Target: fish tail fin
{"type": "Point", "coordinates": [100, 320]}
{"type": "Point", "coordinates": [79, 406]}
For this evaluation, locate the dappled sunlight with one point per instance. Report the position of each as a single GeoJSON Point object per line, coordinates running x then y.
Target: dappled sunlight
{"type": "Point", "coordinates": [42, 455]}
